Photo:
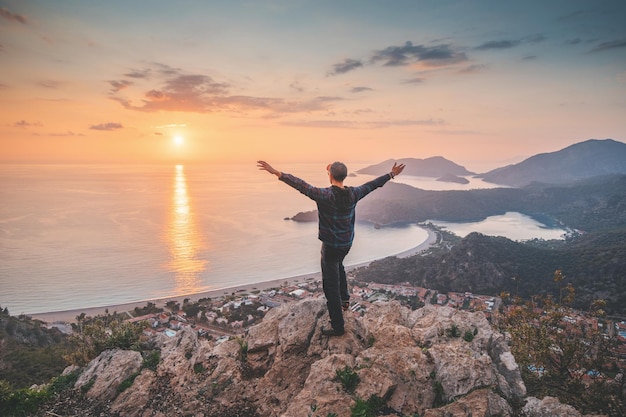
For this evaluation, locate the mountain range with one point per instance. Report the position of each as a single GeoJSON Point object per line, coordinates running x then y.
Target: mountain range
{"type": "Point", "coordinates": [592, 205]}
{"type": "Point", "coordinates": [436, 166]}
{"type": "Point", "coordinates": [579, 161]}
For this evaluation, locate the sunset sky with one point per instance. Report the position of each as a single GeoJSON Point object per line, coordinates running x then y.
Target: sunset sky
{"type": "Point", "coordinates": [482, 83]}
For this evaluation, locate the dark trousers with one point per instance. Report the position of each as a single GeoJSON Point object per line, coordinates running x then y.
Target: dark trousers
{"type": "Point", "coordinates": [334, 283]}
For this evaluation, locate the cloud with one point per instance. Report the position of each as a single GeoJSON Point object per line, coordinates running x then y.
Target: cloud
{"type": "Point", "coordinates": [360, 89]}
{"type": "Point", "coordinates": [534, 38]}
{"type": "Point", "coordinates": [24, 124]}
{"type": "Point", "coordinates": [471, 69]}
{"type": "Point", "coordinates": [510, 43]}
{"type": "Point", "coordinates": [119, 85]}
{"type": "Point", "coordinates": [13, 17]}
{"type": "Point", "coordinates": [171, 89]}
{"type": "Point", "coordinates": [296, 86]}
{"type": "Point", "coordinates": [576, 15]}
{"type": "Point", "coordinates": [438, 55]}
{"type": "Point", "coordinates": [171, 125]}
{"type": "Point", "coordinates": [574, 41]}
{"type": "Point", "coordinates": [346, 66]}
{"type": "Point", "coordinates": [138, 74]}
{"type": "Point", "coordinates": [158, 134]}
{"type": "Point", "coordinates": [107, 126]}
{"type": "Point", "coordinates": [501, 44]}
{"type": "Point", "coordinates": [618, 43]}
{"type": "Point", "coordinates": [49, 84]}
{"type": "Point", "coordinates": [349, 124]}
{"type": "Point", "coordinates": [67, 133]}
{"type": "Point", "coordinates": [416, 80]}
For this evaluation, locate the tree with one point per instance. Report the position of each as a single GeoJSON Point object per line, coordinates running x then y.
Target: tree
{"type": "Point", "coordinates": [560, 353]}
{"type": "Point", "coordinates": [92, 336]}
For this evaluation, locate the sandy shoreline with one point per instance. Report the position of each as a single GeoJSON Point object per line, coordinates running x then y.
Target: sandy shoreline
{"type": "Point", "coordinates": [69, 316]}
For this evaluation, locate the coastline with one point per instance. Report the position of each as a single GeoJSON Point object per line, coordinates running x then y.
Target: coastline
{"type": "Point", "coordinates": [69, 316]}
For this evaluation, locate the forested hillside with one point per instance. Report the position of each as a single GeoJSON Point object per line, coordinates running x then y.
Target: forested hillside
{"type": "Point", "coordinates": [595, 264]}
{"type": "Point", "coordinates": [594, 204]}
{"type": "Point", "coordinates": [29, 352]}
{"type": "Point", "coordinates": [593, 258]}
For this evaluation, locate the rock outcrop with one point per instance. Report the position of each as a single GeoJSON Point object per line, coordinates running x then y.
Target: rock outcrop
{"type": "Point", "coordinates": [435, 361]}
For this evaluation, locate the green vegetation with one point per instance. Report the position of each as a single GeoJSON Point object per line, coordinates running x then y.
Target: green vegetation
{"type": "Point", "coordinates": [489, 265]}
{"type": "Point", "coordinates": [30, 353]}
{"type": "Point", "coordinates": [593, 205]}
{"type": "Point", "coordinates": [33, 351]}
{"type": "Point", "coordinates": [468, 336]}
{"type": "Point", "coordinates": [127, 383]}
{"type": "Point", "coordinates": [93, 336]}
{"type": "Point", "coordinates": [369, 408]}
{"type": "Point", "coordinates": [25, 401]}
{"type": "Point", "coordinates": [150, 308]}
{"type": "Point", "coordinates": [244, 348]}
{"type": "Point", "coordinates": [453, 331]}
{"type": "Point", "coordinates": [348, 378]}
{"type": "Point", "coordinates": [563, 357]}
{"type": "Point", "coordinates": [151, 360]}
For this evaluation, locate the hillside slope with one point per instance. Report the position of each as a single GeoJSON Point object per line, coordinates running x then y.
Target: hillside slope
{"type": "Point", "coordinates": [392, 360]}
{"type": "Point", "coordinates": [594, 264]}
{"type": "Point", "coordinates": [579, 161]}
{"type": "Point", "coordinates": [435, 167]}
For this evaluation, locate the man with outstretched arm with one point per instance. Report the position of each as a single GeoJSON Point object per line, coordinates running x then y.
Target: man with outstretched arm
{"type": "Point", "coordinates": [335, 208]}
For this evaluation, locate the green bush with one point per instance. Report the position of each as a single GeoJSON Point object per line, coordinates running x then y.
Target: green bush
{"type": "Point", "coordinates": [127, 383]}
{"type": "Point", "coordinates": [369, 408]}
{"type": "Point", "coordinates": [348, 378]}
{"type": "Point", "coordinates": [151, 360]}
{"type": "Point", "coordinates": [85, 388]}
{"type": "Point", "coordinates": [24, 402]}
{"type": "Point", "coordinates": [198, 368]}
{"type": "Point", "coordinates": [468, 336]}
{"type": "Point", "coordinates": [244, 349]}
{"type": "Point", "coordinates": [453, 331]}
{"type": "Point", "coordinates": [93, 336]}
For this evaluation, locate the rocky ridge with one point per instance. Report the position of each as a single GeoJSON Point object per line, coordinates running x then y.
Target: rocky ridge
{"type": "Point", "coordinates": [412, 362]}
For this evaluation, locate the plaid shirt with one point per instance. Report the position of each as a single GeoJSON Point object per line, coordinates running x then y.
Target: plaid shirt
{"type": "Point", "coordinates": [336, 223]}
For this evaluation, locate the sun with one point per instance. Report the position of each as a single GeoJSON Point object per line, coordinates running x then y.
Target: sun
{"type": "Point", "coordinates": [178, 140]}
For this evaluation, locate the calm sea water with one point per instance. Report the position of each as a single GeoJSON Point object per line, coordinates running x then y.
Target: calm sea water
{"type": "Point", "coordinates": [78, 236]}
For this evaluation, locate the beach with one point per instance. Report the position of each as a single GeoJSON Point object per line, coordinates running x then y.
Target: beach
{"type": "Point", "coordinates": [69, 316]}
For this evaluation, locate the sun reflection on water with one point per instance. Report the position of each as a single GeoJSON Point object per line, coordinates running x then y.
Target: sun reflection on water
{"type": "Point", "coordinates": [185, 240]}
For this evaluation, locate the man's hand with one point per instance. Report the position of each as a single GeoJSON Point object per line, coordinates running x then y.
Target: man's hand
{"type": "Point", "coordinates": [397, 169]}
{"type": "Point", "coordinates": [264, 166]}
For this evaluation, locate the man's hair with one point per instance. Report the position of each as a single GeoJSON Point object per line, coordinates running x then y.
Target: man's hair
{"type": "Point", "coordinates": [339, 171]}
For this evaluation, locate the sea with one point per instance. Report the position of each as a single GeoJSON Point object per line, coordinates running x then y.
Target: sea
{"type": "Point", "coordinates": [80, 236]}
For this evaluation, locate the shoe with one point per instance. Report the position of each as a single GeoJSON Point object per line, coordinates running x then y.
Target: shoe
{"type": "Point", "coordinates": [332, 332]}
{"type": "Point", "coordinates": [345, 305]}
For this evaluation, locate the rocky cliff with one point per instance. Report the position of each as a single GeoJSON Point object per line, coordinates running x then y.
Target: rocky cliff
{"type": "Point", "coordinates": [434, 361]}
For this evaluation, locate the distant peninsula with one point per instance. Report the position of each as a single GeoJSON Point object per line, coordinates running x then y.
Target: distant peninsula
{"type": "Point", "coordinates": [435, 167]}
{"type": "Point", "coordinates": [453, 178]}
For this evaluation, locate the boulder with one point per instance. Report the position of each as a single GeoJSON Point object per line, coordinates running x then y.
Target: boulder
{"type": "Point", "coordinates": [103, 376]}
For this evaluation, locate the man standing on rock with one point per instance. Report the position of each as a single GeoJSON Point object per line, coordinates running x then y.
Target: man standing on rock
{"type": "Point", "coordinates": [335, 208]}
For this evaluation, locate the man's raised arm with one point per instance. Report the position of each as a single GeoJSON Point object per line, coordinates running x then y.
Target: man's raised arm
{"type": "Point", "coordinates": [264, 166]}
{"type": "Point", "coordinates": [396, 169]}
